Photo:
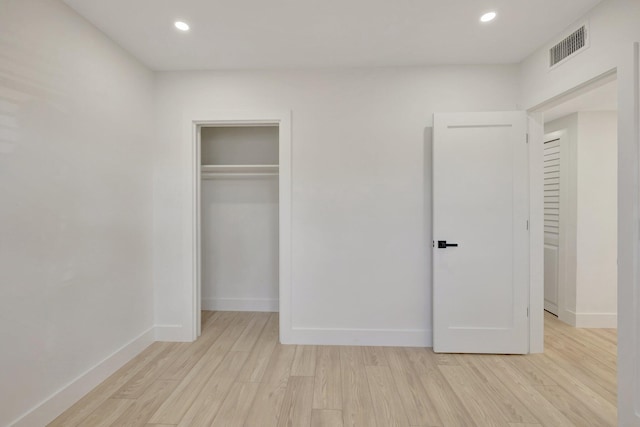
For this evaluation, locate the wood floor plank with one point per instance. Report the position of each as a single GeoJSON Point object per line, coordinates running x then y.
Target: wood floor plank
{"type": "Point", "coordinates": [209, 382]}
{"type": "Point", "coordinates": [577, 372]}
{"type": "Point", "coordinates": [448, 405]}
{"type": "Point", "coordinates": [138, 414]}
{"type": "Point", "coordinates": [297, 403]}
{"type": "Point", "coordinates": [107, 413]}
{"type": "Point", "coordinates": [446, 359]}
{"type": "Point", "coordinates": [326, 418]}
{"type": "Point", "coordinates": [374, 356]}
{"type": "Point", "coordinates": [512, 409]}
{"type": "Point", "coordinates": [178, 403]}
{"type": "Point", "coordinates": [75, 415]}
{"type": "Point", "coordinates": [415, 400]}
{"type": "Point", "coordinates": [250, 335]}
{"type": "Point", "coordinates": [180, 367]}
{"type": "Point", "coordinates": [279, 367]}
{"type": "Point", "coordinates": [484, 410]}
{"type": "Point", "coordinates": [134, 388]}
{"type": "Point", "coordinates": [594, 373]}
{"type": "Point", "coordinates": [256, 365]}
{"type": "Point", "coordinates": [206, 315]}
{"type": "Point", "coordinates": [598, 406]}
{"type": "Point", "coordinates": [327, 393]}
{"type": "Point", "coordinates": [579, 413]}
{"type": "Point", "coordinates": [304, 362]}
{"type": "Point", "coordinates": [422, 360]}
{"type": "Point", "coordinates": [593, 338]}
{"type": "Point", "coordinates": [531, 373]}
{"type": "Point", "coordinates": [208, 402]}
{"type": "Point", "coordinates": [387, 405]}
{"type": "Point", "coordinates": [235, 409]}
{"type": "Point", "coordinates": [357, 407]}
{"type": "Point", "coordinates": [267, 404]}
{"type": "Point", "coordinates": [517, 385]}
{"type": "Point", "coordinates": [582, 339]}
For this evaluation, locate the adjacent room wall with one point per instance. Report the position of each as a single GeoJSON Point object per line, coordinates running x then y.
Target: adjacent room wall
{"type": "Point", "coordinates": [361, 215]}
{"type": "Point", "coordinates": [590, 218]}
{"type": "Point", "coordinates": [597, 254]}
{"type": "Point", "coordinates": [75, 208]}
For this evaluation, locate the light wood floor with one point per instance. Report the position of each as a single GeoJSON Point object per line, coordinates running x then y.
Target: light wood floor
{"type": "Point", "coordinates": [237, 374]}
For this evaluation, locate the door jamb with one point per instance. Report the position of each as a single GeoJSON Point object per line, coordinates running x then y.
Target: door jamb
{"type": "Point", "coordinates": [219, 119]}
{"type": "Point", "coordinates": [536, 302]}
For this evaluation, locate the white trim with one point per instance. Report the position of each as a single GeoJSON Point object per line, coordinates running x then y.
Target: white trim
{"type": "Point", "coordinates": [240, 304]}
{"type": "Point", "coordinates": [193, 121]}
{"type": "Point", "coordinates": [63, 399]}
{"type": "Point", "coordinates": [536, 233]}
{"type": "Point", "coordinates": [537, 229]}
{"type": "Point", "coordinates": [360, 337]}
{"type": "Point", "coordinates": [171, 333]}
{"type": "Point", "coordinates": [594, 320]}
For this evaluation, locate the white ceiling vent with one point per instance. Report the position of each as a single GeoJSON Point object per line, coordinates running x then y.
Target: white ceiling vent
{"type": "Point", "coordinates": [575, 42]}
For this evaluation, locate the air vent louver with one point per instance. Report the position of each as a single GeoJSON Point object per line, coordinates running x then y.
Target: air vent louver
{"type": "Point", "coordinates": [569, 46]}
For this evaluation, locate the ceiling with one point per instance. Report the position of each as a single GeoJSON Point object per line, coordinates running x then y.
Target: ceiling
{"type": "Point", "coordinates": [603, 98]}
{"type": "Point", "coordinates": [242, 34]}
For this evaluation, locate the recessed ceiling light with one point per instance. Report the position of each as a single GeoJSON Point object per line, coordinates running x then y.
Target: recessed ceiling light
{"type": "Point", "coordinates": [182, 26]}
{"type": "Point", "coordinates": [489, 16]}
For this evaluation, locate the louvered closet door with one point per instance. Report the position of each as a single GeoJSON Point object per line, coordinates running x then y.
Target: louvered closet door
{"type": "Point", "coordinates": [552, 210]}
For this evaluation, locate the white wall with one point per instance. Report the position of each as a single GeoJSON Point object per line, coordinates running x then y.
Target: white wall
{"type": "Point", "coordinates": [590, 218]}
{"type": "Point", "coordinates": [614, 30]}
{"type": "Point", "coordinates": [75, 207]}
{"type": "Point", "coordinates": [596, 276]}
{"type": "Point", "coordinates": [240, 222]}
{"type": "Point", "coordinates": [361, 220]}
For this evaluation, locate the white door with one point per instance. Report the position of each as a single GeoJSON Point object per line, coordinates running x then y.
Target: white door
{"type": "Point", "coordinates": [480, 204]}
{"type": "Point", "coordinates": [552, 184]}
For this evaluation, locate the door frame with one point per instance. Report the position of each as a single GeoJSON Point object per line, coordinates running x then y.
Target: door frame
{"type": "Point", "coordinates": [222, 119]}
{"type": "Point", "coordinates": [528, 129]}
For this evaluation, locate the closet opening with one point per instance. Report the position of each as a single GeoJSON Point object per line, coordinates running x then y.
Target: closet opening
{"type": "Point", "coordinates": [242, 220]}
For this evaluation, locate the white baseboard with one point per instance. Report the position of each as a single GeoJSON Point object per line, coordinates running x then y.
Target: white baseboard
{"type": "Point", "coordinates": [240, 304]}
{"type": "Point", "coordinates": [64, 398]}
{"type": "Point", "coordinates": [369, 337]}
{"type": "Point", "coordinates": [595, 320]}
{"type": "Point", "coordinates": [171, 333]}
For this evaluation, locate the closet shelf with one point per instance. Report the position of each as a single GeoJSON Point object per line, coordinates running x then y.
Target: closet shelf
{"type": "Point", "coordinates": [221, 171]}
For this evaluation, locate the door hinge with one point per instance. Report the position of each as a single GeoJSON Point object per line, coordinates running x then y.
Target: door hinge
{"type": "Point", "coordinates": [527, 311]}
{"type": "Point", "coordinates": [527, 224]}
{"type": "Point", "coordinates": [527, 138]}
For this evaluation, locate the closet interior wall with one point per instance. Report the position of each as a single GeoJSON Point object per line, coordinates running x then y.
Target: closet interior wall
{"type": "Point", "coordinates": [239, 202]}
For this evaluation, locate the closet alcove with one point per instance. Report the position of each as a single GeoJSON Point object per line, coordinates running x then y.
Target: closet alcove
{"type": "Point", "coordinates": [239, 218]}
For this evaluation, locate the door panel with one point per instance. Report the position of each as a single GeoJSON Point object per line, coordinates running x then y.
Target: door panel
{"type": "Point", "coordinates": [551, 278]}
{"type": "Point", "coordinates": [481, 202]}
{"type": "Point", "coordinates": [552, 209]}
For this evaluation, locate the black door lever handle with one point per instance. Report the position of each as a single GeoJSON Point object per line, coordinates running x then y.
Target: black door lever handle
{"type": "Point", "coordinates": [442, 244]}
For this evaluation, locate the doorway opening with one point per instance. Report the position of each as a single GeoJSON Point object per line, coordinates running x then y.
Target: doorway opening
{"type": "Point", "coordinates": [580, 207]}
{"type": "Point", "coordinates": [239, 218]}
{"type": "Point", "coordinates": [242, 220]}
